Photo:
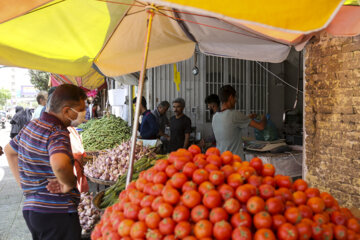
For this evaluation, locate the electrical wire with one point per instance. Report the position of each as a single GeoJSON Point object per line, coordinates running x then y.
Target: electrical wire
{"type": "Point", "coordinates": [297, 89]}
{"type": "Point", "coordinates": [295, 160]}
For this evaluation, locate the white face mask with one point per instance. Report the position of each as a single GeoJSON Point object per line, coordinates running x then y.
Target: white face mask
{"type": "Point", "coordinates": [79, 120]}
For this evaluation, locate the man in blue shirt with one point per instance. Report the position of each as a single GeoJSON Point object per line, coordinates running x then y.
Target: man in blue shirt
{"type": "Point", "coordinates": [148, 128]}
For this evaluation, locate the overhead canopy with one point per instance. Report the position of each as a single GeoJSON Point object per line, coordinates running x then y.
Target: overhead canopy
{"type": "Point", "coordinates": [71, 37]}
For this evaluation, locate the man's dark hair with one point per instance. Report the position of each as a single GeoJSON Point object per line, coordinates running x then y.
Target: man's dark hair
{"type": "Point", "coordinates": [40, 97]}
{"type": "Point", "coordinates": [143, 101]}
{"type": "Point", "coordinates": [164, 104]}
{"type": "Point", "coordinates": [179, 100]}
{"type": "Point", "coordinates": [212, 98]}
{"type": "Point", "coordinates": [225, 92]}
{"type": "Point", "coordinates": [66, 95]}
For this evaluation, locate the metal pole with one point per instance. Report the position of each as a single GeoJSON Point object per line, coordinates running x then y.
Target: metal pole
{"type": "Point", "coordinates": [151, 12]}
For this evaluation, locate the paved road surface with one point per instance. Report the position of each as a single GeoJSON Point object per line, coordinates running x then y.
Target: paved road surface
{"type": "Point", "coordinates": [12, 224]}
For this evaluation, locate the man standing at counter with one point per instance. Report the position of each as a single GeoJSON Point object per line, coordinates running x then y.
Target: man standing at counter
{"type": "Point", "coordinates": [180, 126]}
{"type": "Point", "coordinates": [161, 118]}
{"type": "Point", "coordinates": [229, 123]}
{"type": "Point", "coordinates": [148, 128]}
{"type": "Point", "coordinates": [40, 158]}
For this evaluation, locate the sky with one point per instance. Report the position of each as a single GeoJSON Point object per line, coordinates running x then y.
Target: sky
{"type": "Point", "coordinates": [21, 76]}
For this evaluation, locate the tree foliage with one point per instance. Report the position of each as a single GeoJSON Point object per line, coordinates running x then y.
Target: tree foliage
{"type": "Point", "coordinates": [5, 94]}
{"type": "Point", "coordinates": [40, 79]}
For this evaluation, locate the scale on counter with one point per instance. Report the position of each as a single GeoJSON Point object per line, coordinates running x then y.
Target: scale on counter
{"type": "Point", "coordinates": [265, 146]}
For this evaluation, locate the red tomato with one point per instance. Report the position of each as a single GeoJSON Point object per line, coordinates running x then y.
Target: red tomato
{"type": "Point", "coordinates": [312, 192]}
{"type": "Point", "coordinates": [206, 186]}
{"type": "Point", "coordinates": [136, 196]}
{"type": "Point", "coordinates": [191, 198]}
{"type": "Point", "coordinates": [243, 193]}
{"type": "Point", "coordinates": [227, 157]}
{"type": "Point", "coordinates": [185, 153]}
{"type": "Point", "coordinates": [170, 237]}
{"type": "Point", "coordinates": [306, 211]}
{"type": "Point", "coordinates": [140, 184]}
{"type": "Point", "coordinates": [182, 229]}
{"type": "Point", "coordinates": [189, 185]}
{"type": "Point", "coordinates": [266, 191]}
{"type": "Point", "coordinates": [200, 162]}
{"type": "Point", "coordinates": [232, 205]}
{"type": "Point", "coordinates": [150, 173]}
{"type": "Point", "coordinates": [262, 220]}
{"type": "Point", "coordinates": [214, 159]}
{"type": "Point", "coordinates": [285, 193]}
{"type": "Point", "coordinates": [269, 180]}
{"type": "Point", "coordinates": [351, 235]}
{"type": "Point", "coordinates": [160, 177]}
{"type": "Point", "coordinates": [340, 232]}
{"type": "Point", "coordinates": [178, 180]}
{"type": "Point", "coordinates": [170, 170]}
{"type": "Point", "coordinates": [300, 185]}
{"type": "Point", "coordinates": [200, 176]}
{"type": "Point", "coordinates": [235, 180]}
{"type": "Point", "coordinates": [277, 221]}
{"type": "Point", "coordinates": [222, 230]}
{"type": "Point", "coordinates": [147, 201]}
{"type": "Point", "coordinates": [228, 170]}
{"type": "Point", "coordinates": [226, 191]}
{"type": "Point", "coordinates": [153, 235]}
{"type": "Point", "coordinates": [317, 231]}
{"type": "Point", "coordinates": [246, 171]}
{"type": "Point", "coordinates": [167, 226]}
{"type": "Point", "coordinates": [328, 199]}
{"type": "Point", "coordinates": [199, 212]}
{"type": "Point", "coordinates": [211, 167]}
{"type": "Point", "coordinates": [257, 164]}
{"type": "Point", "coordinates": [152, 220]}
{"type": "Point", "coordinates": [131, 211]}
{"type": "Point", "coordinates": [316, 204]}
{"type": "Point", "coordinates": [217, 177]}
{"type": "Point", "coordinates": [293, 215]}
{"type": "Point", "coordinates": [116, 217]}
{"type": "Point", "coordinates": [218, 214]}
{"type": "Point", "coordinates": [171, 196]}
{"type": "Point", "coordinates": [203, 229]}
{"type": "Point", "coordinates": [190, 238]}
{"type": "Point", "coordinates": [327, 232]}
{"type": "Point", "coordinates": [161, 164]}
{"type": "Point", "coordinates": [274, 206]}
{"type": "Point", "coordinates": [255, 204]}
{"type": "Point", "coordinates": [147, 187]}
{"type": "Point", "coordinates": [284, 181]}
{"type": "Point", "coordinates": [304, 230]}
{"type": "Point", "coordinates": [287, 231]}
{"type": "Point", "coordinates": [194, 149]}
{"type": "Point", "coordinates": [156, 189]}
{"type": "Point", "coordinates": [180, 162]}
{"type": "Point", "coordinates": [338, 218]}
{"type": "Point", "coordinates": [264, 234]}
{"type": "Point", "coordinates": [299, 197]}
{"type": "Point", "coordinates": [181, 213]}
{"type": "Point", "coordinates": [157, 201]}
{"type": "Point", "coordinates": [353, 224]}
{"type": "Point", "coordinates": [255, 180]}
{"type": "Point", "coordinates": [237, 158]}
{"type": "Point", "coordinates": [212, 199]}
{"type": "Point", "coordinates": [143, 213]}
{"type": "Point", "coordinates": [125, 227]}
{"type": "Point", "coordinates": [212, 151]}
{"type": "Point", "coordinates": [268, 170]}
{"type": "Point", "coordinates": [138, 230]}
{"type": "Point", "coordinates": [189, 169]}
{"type": "Point", "coordinates": [241, 219]}
{"type": "Point", "coordinates": [165, 210]}
{"type": "Point", "coordinates": [320, 218]}
{"type": "Point", "coordinates": [241, 233]}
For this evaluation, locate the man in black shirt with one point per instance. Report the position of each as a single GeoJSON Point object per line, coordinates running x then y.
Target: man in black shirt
{"type": "Point", "coordinates": [180, 126]}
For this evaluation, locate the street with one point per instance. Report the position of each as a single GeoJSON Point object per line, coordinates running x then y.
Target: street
{"type": "Point", "coordinates": [12, 224]}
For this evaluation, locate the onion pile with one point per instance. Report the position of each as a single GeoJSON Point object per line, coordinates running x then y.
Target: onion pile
{"type": "Point", "coordinates": [88, 214]}
{"type": "Point", "coordinates": [113, 163]}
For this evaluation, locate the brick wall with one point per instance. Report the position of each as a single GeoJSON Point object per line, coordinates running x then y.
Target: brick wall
{"type": "Point", "coordinates": [332, 116]}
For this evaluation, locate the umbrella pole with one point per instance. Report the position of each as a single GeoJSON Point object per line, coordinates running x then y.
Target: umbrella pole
{"type": "Point", "coordinates": [139, 96]}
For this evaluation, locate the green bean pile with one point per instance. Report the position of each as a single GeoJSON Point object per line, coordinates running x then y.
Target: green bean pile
{"type": "Point", "coordinates": [105, 133]}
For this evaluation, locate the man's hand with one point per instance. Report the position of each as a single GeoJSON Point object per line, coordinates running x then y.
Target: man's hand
{"type": "Point", "coordinates": [54, 186]}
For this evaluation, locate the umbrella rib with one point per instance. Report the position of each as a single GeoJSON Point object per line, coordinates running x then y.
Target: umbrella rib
{"type": "Point", "coordinates": [122, 3]}
{"type": "Point", "coordinates": [218, 28]}
{"type": "Point", "coordinates": [43, 7]}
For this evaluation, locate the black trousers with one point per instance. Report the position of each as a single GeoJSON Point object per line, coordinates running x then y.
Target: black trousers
{"type": "Point", "coordinates": [53, 226]}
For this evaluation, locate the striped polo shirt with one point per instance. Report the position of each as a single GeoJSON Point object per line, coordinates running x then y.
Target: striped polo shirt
{"type": "Point", "coordinates": [35, 143]}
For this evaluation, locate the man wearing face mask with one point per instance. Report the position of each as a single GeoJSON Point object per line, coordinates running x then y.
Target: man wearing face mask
{"type": "Point", "coordinates": [41, 161]}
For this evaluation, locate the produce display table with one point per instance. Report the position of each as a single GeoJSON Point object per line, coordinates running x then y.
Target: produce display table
{"type": "Point", "coordinates": [288, 163]}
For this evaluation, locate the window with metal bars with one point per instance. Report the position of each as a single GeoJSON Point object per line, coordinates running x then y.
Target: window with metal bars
{"type": "Point", "coordinates": [247, 77]}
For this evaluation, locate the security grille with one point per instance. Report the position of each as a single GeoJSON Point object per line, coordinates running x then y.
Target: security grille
{"type": "Point", "coordinates": [247, 77]}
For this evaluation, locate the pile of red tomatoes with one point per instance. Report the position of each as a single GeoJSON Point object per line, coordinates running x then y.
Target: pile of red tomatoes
{"type": "Point", "coordinates": [192, 195]}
